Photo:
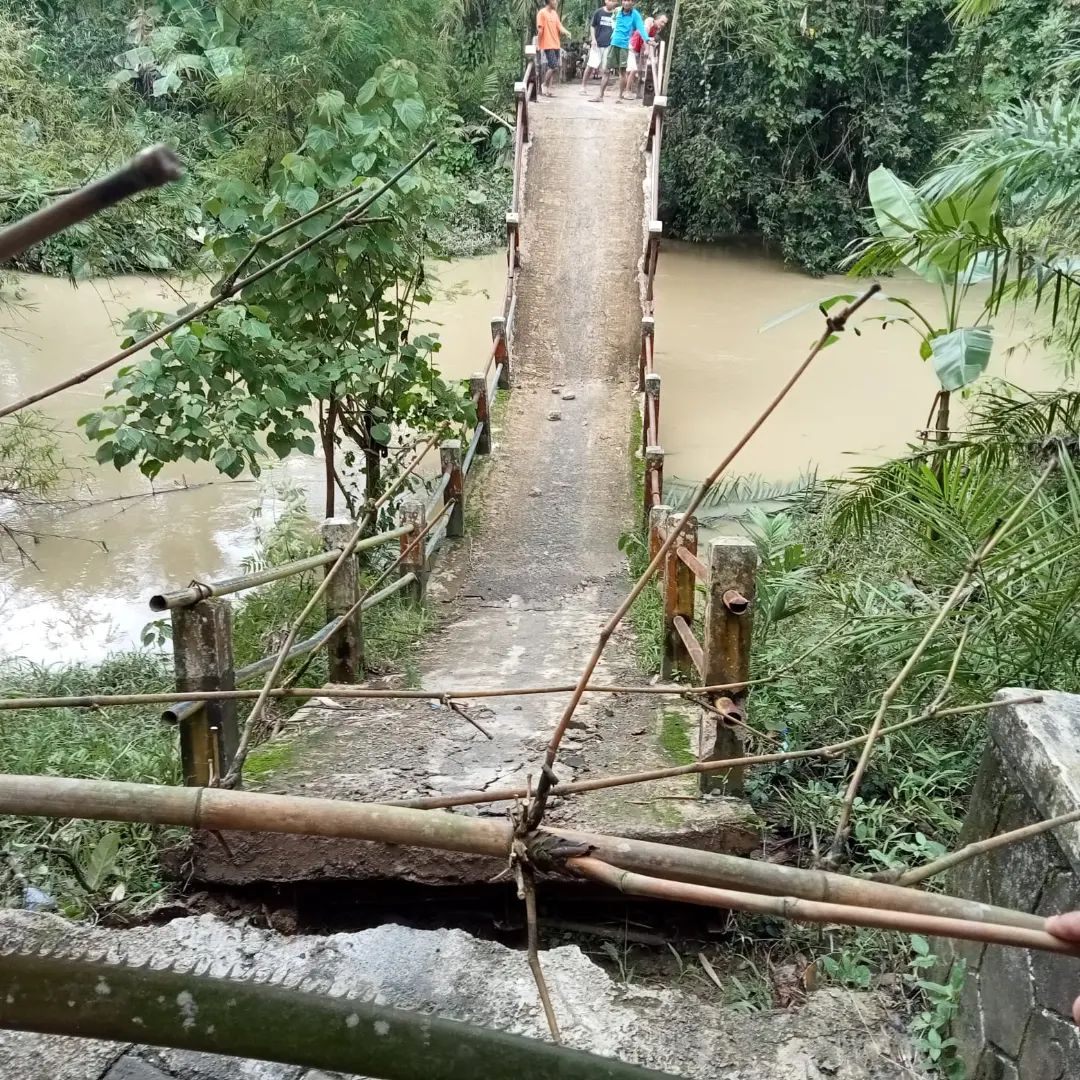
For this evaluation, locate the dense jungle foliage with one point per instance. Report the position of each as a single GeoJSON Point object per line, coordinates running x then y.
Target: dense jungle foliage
{"type": "Point", "coordinates": [783, 108]}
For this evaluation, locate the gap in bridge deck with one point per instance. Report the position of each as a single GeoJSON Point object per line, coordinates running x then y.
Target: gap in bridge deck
{"type": "Point", "coordinates": [524, 595]}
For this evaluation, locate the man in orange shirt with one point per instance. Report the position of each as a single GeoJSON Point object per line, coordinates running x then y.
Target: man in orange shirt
{"type": "Point", "coordinates": [549, 31]}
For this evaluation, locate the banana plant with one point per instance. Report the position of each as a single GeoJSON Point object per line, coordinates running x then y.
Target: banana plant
{"type": "Point", "coordinates": [955, 259]}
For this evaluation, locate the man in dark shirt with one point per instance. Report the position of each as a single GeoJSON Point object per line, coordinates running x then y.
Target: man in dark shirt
{"type": "Point", "coordinates": [601, 26]}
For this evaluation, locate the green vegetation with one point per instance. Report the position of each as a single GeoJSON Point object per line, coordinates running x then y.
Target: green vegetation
{"type": "Point", "coordinates": [99, 869]}
{"type": "Point", "coordinates": [782, 110]}
{"type": "Point", "coordinates": [85, 83]}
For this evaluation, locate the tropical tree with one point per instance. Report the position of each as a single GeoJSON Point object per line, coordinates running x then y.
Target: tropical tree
{"type": "Point", "coordinates": [329, 332]}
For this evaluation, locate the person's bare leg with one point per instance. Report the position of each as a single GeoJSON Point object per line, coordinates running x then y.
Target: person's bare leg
{"type": "Point", "coordinates": [585, 79]}
{"type": "Point", "coordinates": [623, 76]}
{"type": "Point", "coordinates": [604, 80]}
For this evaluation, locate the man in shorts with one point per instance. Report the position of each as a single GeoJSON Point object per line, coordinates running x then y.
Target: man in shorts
{"type": "Point", "coordinates": [549, 31]}
{"type": "Point", "coordinates": [601, 26]}
{"type": "Point", "coordinates": [627, 20]}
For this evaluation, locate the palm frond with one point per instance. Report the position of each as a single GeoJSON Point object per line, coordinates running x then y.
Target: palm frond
{"type": "Point", "coordinates": [735, 497]}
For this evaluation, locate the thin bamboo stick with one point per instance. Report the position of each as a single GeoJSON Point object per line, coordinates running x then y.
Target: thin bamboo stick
{"type": "Point", "coordinates": [981, 847]}
{"type": "Point", "coordinates": [813, 911]}
{"type": "Point", "coordinates": [834, 325]}
{"type": "Point", "coordinates": [222, 810]}
{"type": "Point", "coordinates": [843, 825]}
{"type": "Point", "coordinates": [149, 168]}
{"type": "Point", "coordinates": [102, 701]}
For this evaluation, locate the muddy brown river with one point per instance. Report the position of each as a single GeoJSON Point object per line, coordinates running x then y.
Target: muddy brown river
{"type": "Point", "coordinates": [97, 563]}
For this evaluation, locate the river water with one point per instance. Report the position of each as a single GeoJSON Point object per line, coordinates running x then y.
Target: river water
{"type": "Point", "coordinates": [96, 564]}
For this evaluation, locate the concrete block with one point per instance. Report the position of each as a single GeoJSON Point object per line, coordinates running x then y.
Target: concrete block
{"type": "Point", "coordinates": [1006, 997]}
{"type": "Point", "coordinates": [1017, 872]}
{"type": "Point", "coordinates": [1040, 745]}
{"type": "Point", "coordinates": [994, 1066]}
{"type": "Point", "coordinates": [1044, 1055]}
{"type": "Point", "coordinates": [131, 1068]}
{"type": "Point", "coordinates": [1056, 978]}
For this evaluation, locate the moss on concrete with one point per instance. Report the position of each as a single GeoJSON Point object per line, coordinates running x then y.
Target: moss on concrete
{"type": "Point", "coordinates": [675, 739]}
{"type": "Point", "coordinates": [266, 759]}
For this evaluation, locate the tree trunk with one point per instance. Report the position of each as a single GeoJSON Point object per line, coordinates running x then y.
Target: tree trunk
{"type": "Point", "coordinates": [328, 423]}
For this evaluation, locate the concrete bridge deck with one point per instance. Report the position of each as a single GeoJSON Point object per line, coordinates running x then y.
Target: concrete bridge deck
{"type": "Point", "coordinates": [523, 597]}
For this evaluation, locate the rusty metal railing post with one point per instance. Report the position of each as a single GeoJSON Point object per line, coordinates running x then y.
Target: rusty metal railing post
{"type": "Point", "coordinates": [513, 240]}
{"type": "Point", "coordinates": [654, 479]}
{"type": "Point", "coordinates": [502, 349]}
{"type": "Point", "coordinates": [658, 516]}
{"type": "Point", "coordinates": [450, 458]}
{"type": "Point", "coordinates": [679, 587]}
{"type": "Point", "coordinates": [648, 344]}
{"type": "Point", "coordinates": [650, 429]}
{"type": "Point", "coordinates": [345, 653]}
{"type": "Point", "coordinates": [478, 391]}
{"type": "Point", "coordinates": [729, 621]}
{"type": "Point", "coordinates": [414, 558]}
{"type": "Point", "coordinates": [652, 254]}
{"type": "Point", "coordinates": [203, 660]}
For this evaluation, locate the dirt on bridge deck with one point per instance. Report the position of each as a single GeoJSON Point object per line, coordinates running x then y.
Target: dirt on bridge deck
{"type": "Point", "coordinates": [523, 597]}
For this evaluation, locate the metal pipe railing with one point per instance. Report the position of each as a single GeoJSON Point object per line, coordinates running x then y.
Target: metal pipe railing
{"type": "Point", "coordinates": [183, 709]}
{"type": "Point", "coordinates": [199, 591]}
{"type": "Point", "coordinates": [471, 452]}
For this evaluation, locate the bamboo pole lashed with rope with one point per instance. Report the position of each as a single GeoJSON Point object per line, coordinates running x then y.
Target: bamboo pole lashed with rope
{"type": "Point", "coordinates": [221, 810]}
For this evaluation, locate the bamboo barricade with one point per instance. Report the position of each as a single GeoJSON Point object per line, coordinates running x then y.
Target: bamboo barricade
{"type": "Point", "coordinates": [219, 810]}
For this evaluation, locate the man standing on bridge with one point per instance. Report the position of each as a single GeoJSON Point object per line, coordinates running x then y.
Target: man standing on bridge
{"type": "Point", "coordinates": [601, 26]}
{"type": "Point", "coordinates": [627, 21]}
{"type": "Point", "coordinates": [549, 31]}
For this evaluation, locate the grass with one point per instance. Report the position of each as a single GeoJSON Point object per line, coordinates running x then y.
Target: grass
{"type": "Point", "coordinates": [95, 869]}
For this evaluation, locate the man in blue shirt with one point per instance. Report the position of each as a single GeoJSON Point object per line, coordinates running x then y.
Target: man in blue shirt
{"type": "Point", "coordinates": [627, 20]}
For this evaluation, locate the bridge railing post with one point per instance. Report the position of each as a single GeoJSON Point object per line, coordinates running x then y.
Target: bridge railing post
{"type": "Point", "coordinates": [345, 651]}
{"type": "Point", "coordinates": [414, 558]}
{"type": "Point", "coordinates": [648, 344]}
{"type": "Point", "coordinates": [654, 479]}
{"type": "Point", "coordinates": [513, 241]}
{"type": "Point", "coordinates": [679, 592]}
{"type": "Point", "coordinates": [203, 660]}
{"type": "Point", "coordinates": [728, 627]}
{"type": "Point", "coordinates": [478, 390]}
{"type": "Point", "coordinates": [652, 253]}
{"type": "Point", "coordinates": [502, 349]}
{"type": "Point", "coordinates": [650, 428]}
{"type": "Point", "coordinates": [450, 458]}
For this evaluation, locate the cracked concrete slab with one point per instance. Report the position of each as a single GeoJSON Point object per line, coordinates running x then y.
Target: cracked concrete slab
{"type": "Point", "coordinates": [837, 1034]}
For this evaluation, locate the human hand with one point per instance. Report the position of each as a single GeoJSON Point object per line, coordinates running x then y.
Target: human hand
{"type": "Point", "coordinates": [1067, 927]}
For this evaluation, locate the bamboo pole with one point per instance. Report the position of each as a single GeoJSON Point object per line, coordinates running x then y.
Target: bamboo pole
{"type": "Point", "coordinates": [798, 910]}
{"type": "Point", "coordinates": [194, 593]}
{"type": "Point", "coordinates": [341, 1033]}
{"type": "Point", "coordinates": [150, 168]}
{"type": "Point", "coordinates": [223, 810]}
